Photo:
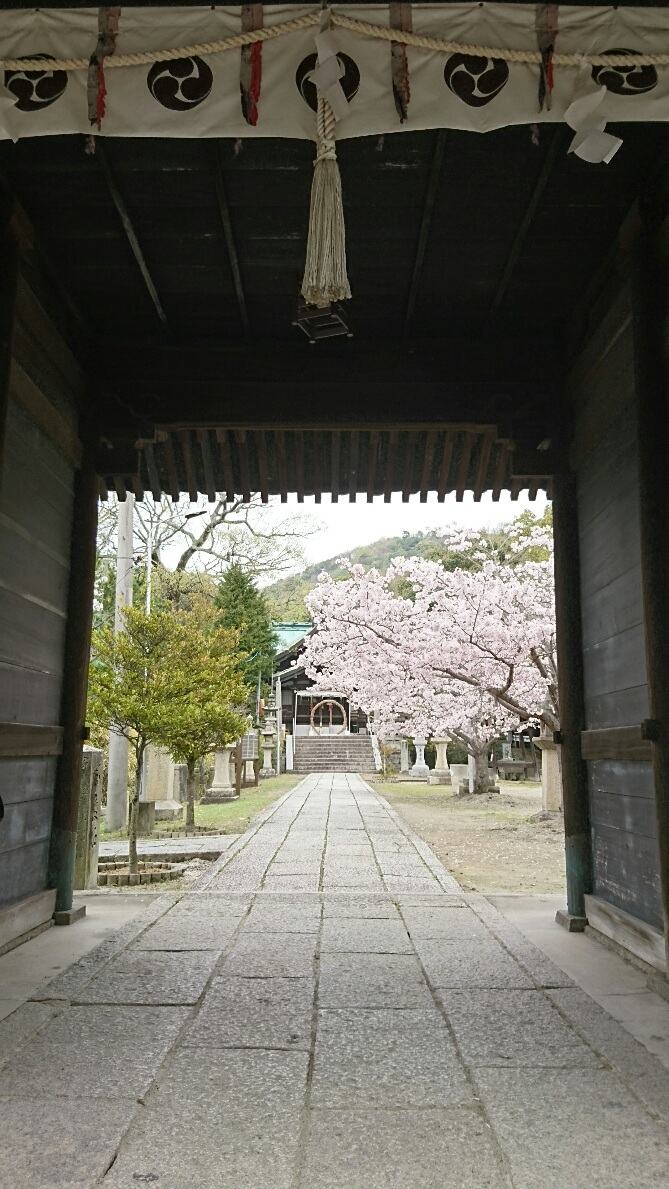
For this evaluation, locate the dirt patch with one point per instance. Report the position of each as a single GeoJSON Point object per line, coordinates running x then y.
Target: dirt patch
{"type": "Point", "coordinates": [497, 843]}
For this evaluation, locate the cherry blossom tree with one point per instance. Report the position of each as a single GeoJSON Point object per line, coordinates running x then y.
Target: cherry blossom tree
{"type": "Point", "coordinates": [462, 653]}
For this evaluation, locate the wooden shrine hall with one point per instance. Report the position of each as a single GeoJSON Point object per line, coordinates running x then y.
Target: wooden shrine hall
{"type": "Point", "coordinates": [506, 332]}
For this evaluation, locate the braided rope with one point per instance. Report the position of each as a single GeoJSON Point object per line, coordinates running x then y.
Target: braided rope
{"type": "Point", "coordinates": [487, 51]}
{"type": "Point", "coordinates": [325, 132]}
{"type": "Point", "coordinates": [233, 42]}
{"type": "Point", "coordinates": [403, 37]}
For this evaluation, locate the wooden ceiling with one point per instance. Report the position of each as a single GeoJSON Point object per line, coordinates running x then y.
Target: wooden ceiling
{"type": "Point", "coordinates": [176, 266]}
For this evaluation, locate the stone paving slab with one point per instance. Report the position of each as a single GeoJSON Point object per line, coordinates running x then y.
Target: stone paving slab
{"type": "Point", "coordinates": [402, 1149]}
{"type": "Point", "coordinates": [372, 980]}
{"type": "Point", "coordinates": [95, 1052]}
{"type": "Point", "coordinates": [365, 937]}
{"type": "Point", "coordinates": [190, 931]}
{"type": "Point", "coordinates": [225, 1083]}
{"type": "Point", "coordinates": [286, 955]}
{"type": "Point", "coordinates": [57, 1144]}
{"type": "Point", "coordinates": [270, 1013]}
{"type": "Point", "coordinates": [247, 1152]}
{"type": "Point", "coordinates": [610, 1141]}
{"type": "Point", "coordinates": [513, 1028]}
{"type": "Point", "coordinates": [386, 1058]}
{"type": "Point", "coordinates": [470, 964]}
{"type": "Point", "coordinates": [151, 977]}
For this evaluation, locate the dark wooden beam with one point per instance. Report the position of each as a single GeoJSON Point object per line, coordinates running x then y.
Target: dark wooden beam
{"type": "Point", "coordinates": [463, 465]}
{"type": "Point", "coordinates": [500, 470]}
{"type": "Point", "coordinates": [224, 212]}
{"type": "Point", "coordinates": [243, 455]}
{"type": "Point", "coordinates": [75, 681]}
{"type": "Point", "coordinates": [578, 855]}
{"type": "Point", "coordinates": [171, 466]}
{"type": "Point", "coordinates": [556, 146]}
{"type": "Point", "coordinates": [409, 456]}
{"type": "Point", "coordinates": [316, 440]}
{"type": "Point", "coordinates": [191, 483]}
{"type": "Point", "coordinates": [226, 459]}
{"type": "Point", "coordinates": [281, 463]}
{"type": "Point", "coordinates": [483, 464]}
{"type": "Point", "coordinates": [207, 464]}
{"type": "Point", "coordinates": [334, 488]}
{"type": "Point", "coordinates": [425, 223]}
{"type": "Point", "coordinates": [371, 466]}
{"type": "Point", "coordinates": [299, 465]}
{"type": "Point", "coordinates": [428, 460]}
{"type": "Point", "coordinates": [261, 442]}
{"type": "Point", "coordinates": [390, 466]}
{"type": "Point", "coordinates": [445, 465]}
{"type": "Point", "coordinates": [650, 276]}
{"type": "Point", "coordinates": [154, 478]}
{"type": "Point", "coordinates": [117, 199]}
{"type": "Point", "coordinates": [353, 449]}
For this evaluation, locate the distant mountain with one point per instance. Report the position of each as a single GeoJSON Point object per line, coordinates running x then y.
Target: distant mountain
{"type": "Point", "coordinates": [286, 597]}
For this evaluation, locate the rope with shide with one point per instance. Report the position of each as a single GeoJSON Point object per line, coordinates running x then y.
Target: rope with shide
{"type": "Point", "coordinates": [364, 28]}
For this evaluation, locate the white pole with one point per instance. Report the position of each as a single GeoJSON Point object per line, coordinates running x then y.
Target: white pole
{"type": "Point", "coordinates": [116, 815]}
{"type": "Point", "coordinates": [149, 551]}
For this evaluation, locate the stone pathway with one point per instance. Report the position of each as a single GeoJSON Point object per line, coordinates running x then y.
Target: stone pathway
{"type": "Point", "coordinates": [326, 1008]}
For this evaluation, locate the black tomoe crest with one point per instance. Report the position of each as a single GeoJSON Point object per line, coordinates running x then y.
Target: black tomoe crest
{"type": "Point", "coordinates": [350, 80]}
{"type": "Point", "coordinates": [35, 89]}
{"type": "Point", "coordinates": [625, 80]}
{"type": "Point", "coordinates": [180, 85]}
{"type": "Point", "coordinates": [476, 81]}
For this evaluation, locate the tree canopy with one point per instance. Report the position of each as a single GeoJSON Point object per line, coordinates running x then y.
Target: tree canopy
{"type": "Point", "coordinates": [243, 607]}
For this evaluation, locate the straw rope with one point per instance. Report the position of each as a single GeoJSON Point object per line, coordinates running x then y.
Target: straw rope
{"type": "Point", "coordinates": [233, 42]}
{"type": "Point", "coordinates": [438, 44]}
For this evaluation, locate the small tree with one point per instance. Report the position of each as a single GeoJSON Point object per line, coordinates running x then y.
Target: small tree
{"type": "Point", "coordinates": [146, 680]}
{"type": "Point", "coordinates": [215, 717]}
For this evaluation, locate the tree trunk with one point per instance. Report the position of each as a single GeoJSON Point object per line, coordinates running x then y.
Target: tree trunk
{"type": "Point", "coordinates": [190, 794]}
{"type": "Point", "coordinates": [481, 775]}
{"type": "Point", "coordinates": [134, 814]}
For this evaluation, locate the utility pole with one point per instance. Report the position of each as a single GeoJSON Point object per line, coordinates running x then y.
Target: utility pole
{"type": "Point", "coordinates": [117, 772]}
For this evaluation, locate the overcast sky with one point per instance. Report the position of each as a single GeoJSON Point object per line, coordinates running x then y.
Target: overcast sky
{"type": "Point", "coordinates": [346, 525]}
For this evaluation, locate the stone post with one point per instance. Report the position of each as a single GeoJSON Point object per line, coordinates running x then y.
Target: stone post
{"type": "Point", "coordinates": [267, 748]}
{"type": "Point", "coordinates": [440, 773]}
{"type": "Point", "coordinates": [551, 784]}
{"type": "Point", "coordinates": [420, 768]}
{"type": "Point", "coordinates": [222, 788]}
{"type": "Point", "coordinates": [404, 755]}
{"type": "Point", "coordinates": [86, 853]}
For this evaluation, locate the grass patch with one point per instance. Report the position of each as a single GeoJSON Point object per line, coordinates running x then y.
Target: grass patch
{"type": "Point", "coordinates": [233, 817]}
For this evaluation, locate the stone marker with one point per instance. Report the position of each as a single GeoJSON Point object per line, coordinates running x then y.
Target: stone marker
{"type": "Point", "coordinates": [420, 768]}
{"type": "Point", "coordinates": [222, 788]}
{"type": "Point", "coordinates": [180, 782]}
{"type": "Point", "coordinates": [86, 854]}
{"type": "Point", "coordinates": [146, 818]}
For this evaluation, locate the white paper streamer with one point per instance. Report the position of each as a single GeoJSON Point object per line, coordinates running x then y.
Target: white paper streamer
{"type": "Point", "coordinates": [327, 74]}
{"type": "Point", "coordinates": [591, 143]}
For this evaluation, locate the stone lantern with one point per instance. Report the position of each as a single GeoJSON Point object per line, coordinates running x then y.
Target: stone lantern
{"type": "Point", "coordinates": [420, 768]}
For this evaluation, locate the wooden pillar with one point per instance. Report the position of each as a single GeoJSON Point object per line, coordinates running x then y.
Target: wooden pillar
{"type": "Point", "coordinates": [649, 309]}
{"type": "Point", "coordinates": [9, 268]}
{"type": "Point", "coordinates": [75, 681]}
{"type": "Point", "coordinates": [578, 848]}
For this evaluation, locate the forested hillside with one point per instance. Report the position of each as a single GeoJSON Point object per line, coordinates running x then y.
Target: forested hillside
{"type": "Point", "coordinates": [286, 597]}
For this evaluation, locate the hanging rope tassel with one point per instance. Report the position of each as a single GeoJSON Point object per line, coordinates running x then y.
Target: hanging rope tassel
{"type": "Point", "coordinates": [325, 278]}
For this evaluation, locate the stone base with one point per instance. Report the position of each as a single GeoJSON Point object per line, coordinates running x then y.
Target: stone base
{"type": "Point", "coordinates": [219, 797]}
{"type": "Point", "coordinates": [439, 778]}
{"type": "Point", "coordinates": [70, 915]}
{"type": "Point", "coordinates": [23, 916]}
{"type": "Point", "coordinates": [571, 923]}
{"type": "Point", "coordinates": [168, 811]}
